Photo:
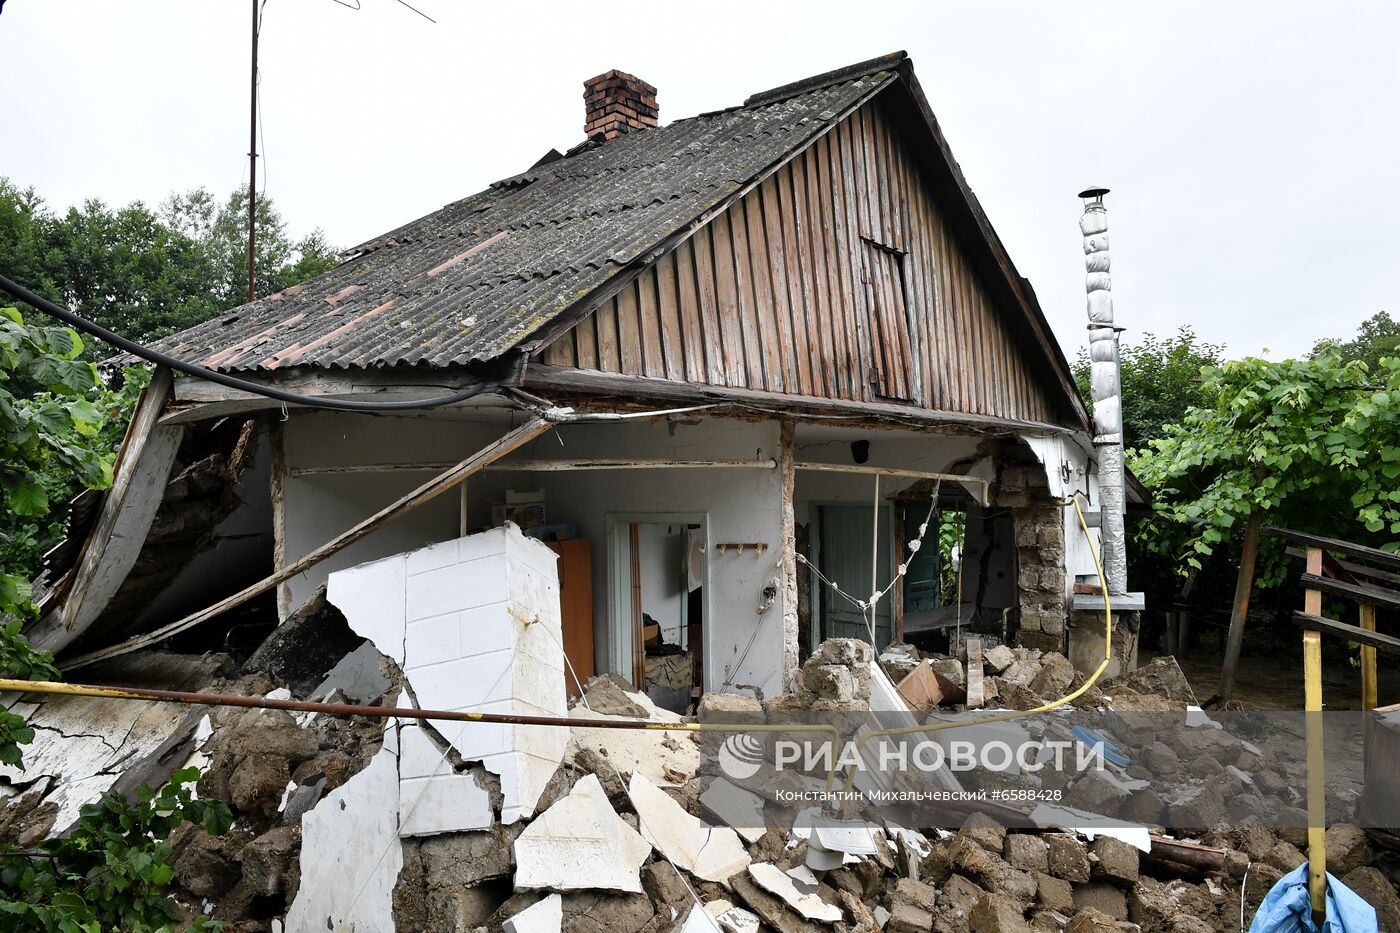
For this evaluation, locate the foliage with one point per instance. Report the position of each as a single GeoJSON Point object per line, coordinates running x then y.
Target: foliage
{"type": "Point", "coordinates": [1377, 337]}
{"type": "Point", "coordinates": [147, 273]}
{"type": "Point", "coordinates": [1161, 380]}
{"type": "Point", "coordinates": [111, 871]}
{"type": "Point", "coordinates": [1313, 443]}
{"type": "Point", "coordinates": [48, 437]}
{"type": "Point", "coordinates": [952, 526]}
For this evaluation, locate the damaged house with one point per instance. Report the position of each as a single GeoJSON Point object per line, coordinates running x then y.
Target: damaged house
{"type": "Point", "coordinates": [712, 385]}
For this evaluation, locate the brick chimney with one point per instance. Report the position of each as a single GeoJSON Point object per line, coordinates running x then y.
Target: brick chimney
{"type": "Point", "coordinates": [616, 103]}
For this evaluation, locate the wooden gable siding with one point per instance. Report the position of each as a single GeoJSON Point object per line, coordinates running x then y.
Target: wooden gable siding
{"type": "Point", "coordinates": [836, 277]}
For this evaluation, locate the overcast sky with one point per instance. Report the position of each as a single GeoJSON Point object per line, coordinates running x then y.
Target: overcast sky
{"type": "Point", "coordinates": [1251, 147]}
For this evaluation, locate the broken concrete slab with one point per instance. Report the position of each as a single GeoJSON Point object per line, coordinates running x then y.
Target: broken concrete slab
{"type": "Point", "coordinates": [546, 916]}
{"type": "Point", "coordinates": [580, 843]}
{"type": "Point", "coordinates": [86, 745]}
{"type": "Point", "coordinates": [1090, 825]}
{"type": "Point", "coordinates": [797, 888]}
{"type": "Point", "coordinates": [433, 797]}
{"type": "Point", "coordinates": [713, 853]}
{"type": "Point", "coordinates": [350, 853]}
{"type": "Point", "coordinates": [734, 919]}
{"type": "Point", "coordinates": [738, 808]}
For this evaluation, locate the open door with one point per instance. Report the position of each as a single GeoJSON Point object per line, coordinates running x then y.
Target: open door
{"type": "Point", "coordinates": [845, 559]}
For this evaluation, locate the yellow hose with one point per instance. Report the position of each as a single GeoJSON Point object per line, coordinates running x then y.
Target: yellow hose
{"type": "Point", "coordinates": [1018, 714]}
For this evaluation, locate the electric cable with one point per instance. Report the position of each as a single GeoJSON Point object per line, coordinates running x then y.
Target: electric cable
{"type": "Point", "coordinates": [20, 293]}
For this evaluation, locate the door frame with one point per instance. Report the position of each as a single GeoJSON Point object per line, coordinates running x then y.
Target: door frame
{"type": "Point", "coordinates": [620, 629]}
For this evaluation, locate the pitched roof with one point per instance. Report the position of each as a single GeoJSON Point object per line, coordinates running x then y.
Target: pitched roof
{"type": "Point", "coordinates": [475, 279]}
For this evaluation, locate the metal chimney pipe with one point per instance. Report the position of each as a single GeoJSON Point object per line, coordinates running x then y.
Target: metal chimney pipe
{"type": "Point", "coordinates": [1106, 385]}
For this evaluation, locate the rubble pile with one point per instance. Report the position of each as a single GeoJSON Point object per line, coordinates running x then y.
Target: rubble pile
{"type": "Point", "coordinates": [638, 830]}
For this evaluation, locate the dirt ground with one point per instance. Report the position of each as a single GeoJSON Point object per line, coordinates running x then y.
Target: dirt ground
{"type": "Point", "coordinates": [1268, 683]}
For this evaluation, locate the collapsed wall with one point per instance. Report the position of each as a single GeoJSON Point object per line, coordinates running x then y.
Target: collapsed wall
{"type": "Point", "coordinates": [349, 823]}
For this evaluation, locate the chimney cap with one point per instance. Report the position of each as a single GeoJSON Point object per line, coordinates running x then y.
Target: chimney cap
{"type": "Point", "coordinates": [1093, 192]}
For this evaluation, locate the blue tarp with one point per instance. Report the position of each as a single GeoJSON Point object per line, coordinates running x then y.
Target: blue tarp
{"type": "Point", "coordinates": [1288, 909]}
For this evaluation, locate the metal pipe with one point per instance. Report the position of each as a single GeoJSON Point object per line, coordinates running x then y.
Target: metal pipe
{"type": "Point", "coordinates": [1106, 385]}
{"type": "Point", "coordinates": [94, 691]}
{"type": "Point", "coordinates": [253, 154]}
{"type": "Point", "coordinates": [542, 466]}
{"type": "Point", "coordinates": [892, 471]}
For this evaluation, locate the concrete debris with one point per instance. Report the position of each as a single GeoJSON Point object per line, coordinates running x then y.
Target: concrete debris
{"type": "Point", "coordinates": [735, 807]}
{"type": "Point", "coordinates": [797, 888]}
{"type": "Point", "coordinates": [733, 919]}
{"type": "Point", "coordinates": [711, 853]}
{"type": "Point", "coordinates": [344, 823]}
{"type": "Point", "coordinates": [433, 797]}
{"type": "Point", "coordinates": [546, 916]}
{"type": "Point", "coordinates": [350, 853]}
{"type": "Point", "coordinates": [660, 755]}
{"type": "Point", "coordinates": [580, 843]}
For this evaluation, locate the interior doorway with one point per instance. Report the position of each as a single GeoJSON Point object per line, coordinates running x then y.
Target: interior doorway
{"type": "Point", "coordinates": [657, 569]}
{"type": "Point", "coordinates": [842, 539]}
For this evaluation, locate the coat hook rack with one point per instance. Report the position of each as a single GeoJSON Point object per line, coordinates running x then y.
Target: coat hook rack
{"type": "Point", "coordinates": [758, 547]}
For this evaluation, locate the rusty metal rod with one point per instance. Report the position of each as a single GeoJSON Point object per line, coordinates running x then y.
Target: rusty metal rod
{"type": "Point", "coordinates": [59, 688]}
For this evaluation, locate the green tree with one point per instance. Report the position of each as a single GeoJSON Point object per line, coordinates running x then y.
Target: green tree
{"type": "Point", "coordinates": [147, 273]}
{"type": "Point", "coordinates": [221, 231]}
{"type": "Point", "coordinates": [1313, 443]}
{"type": "Point", "coordinates": [1161, 381]}
{"type": "Point", "coordinates": [1376, 338]}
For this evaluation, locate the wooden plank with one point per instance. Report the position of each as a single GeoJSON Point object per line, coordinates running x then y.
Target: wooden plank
{"type": "Point", "coordinates": [560, 352]}
{"type": "Point", "coordinates": [765, 308]}
{"type": "Point", "coordinates": [727, 302]}
{"type": "Point", "coordinates": [277, 491]}
{"type": "Point", "coordinates": [743, 279]}
{"type": "Point", "coordinates": [912, 270]}
{"type": "Point", "coordinates": [848, 223]}
{"type": "Point", "coordinates": [832, 373]}
{"type": "Point", "coordinates": [586, 342]}
{"type": "Point", "coordinates": [649, 319]}
{"type": "Point", "coordinates": [1384, 558]}
{"type": "Point", "coordinates": [430, 490]}
{"type": "Point", "coordinates": [710, 332]}
{"type": "Point", "coordinates": [864, 414]}
{"type": "Point", "coordinates": [629, 335]}
{"type": "Point", "coordinates": [808, 378]}
{"type": "Point", "coordinates": [836, 303]}
{"type": "Point", "coordinates": [140, 473]}
{"type": "Point", "coordinates": [1356, 592]}
{"type": "Point", "coordinates": [672, 327]}
{"type": "Point", "coordinates": [838, 263]}
{"type": "Point", "coordinates": [605, 317]}
{"type": "Point", "coordinates": [693, 327]}
{"type": "Point", "coordinates": [1387, 644]}
{"type": "Point", "coordinates": [782, 299]}
{"type": "Point", "coordinates": [817, 342]}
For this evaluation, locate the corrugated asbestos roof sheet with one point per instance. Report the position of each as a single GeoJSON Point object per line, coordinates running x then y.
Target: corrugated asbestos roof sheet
{"type": "Point", "coordinates": [475, 279]}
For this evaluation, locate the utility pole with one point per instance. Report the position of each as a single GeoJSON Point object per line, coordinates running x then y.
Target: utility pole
{"type": "Point", "coordinates": [253, 156]}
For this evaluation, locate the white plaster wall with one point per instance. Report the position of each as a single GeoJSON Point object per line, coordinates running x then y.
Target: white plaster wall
{"type": "Point", "coordinates": [318, 507]}
{"type": "Point", "coordinates": [742, 648]}
{"type": "Point", "coordinates": [475, 624]}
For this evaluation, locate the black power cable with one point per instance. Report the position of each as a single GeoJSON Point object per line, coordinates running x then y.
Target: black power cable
{"type": "Point", "coordinates": [20, 293]}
